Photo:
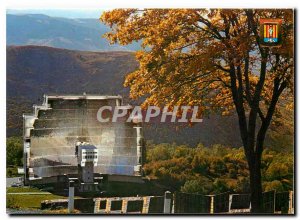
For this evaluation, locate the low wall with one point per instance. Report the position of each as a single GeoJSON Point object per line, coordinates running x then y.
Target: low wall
{"type": "Point", "coordinates": [130, 205]}
{"type": "Point", "coordinates": [184, 203]}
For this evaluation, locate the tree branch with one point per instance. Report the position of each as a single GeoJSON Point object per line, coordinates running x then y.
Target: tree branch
{"type": "Point", "coordinates": [277, 90]}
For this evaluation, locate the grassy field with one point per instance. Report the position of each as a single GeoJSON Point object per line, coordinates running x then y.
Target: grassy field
{"type": "Point", "coordinates": [28, 201]}
{"type": "Point", "coordinates": [24, 201]}
{"type": "Point", "coordinates": [21, 189]}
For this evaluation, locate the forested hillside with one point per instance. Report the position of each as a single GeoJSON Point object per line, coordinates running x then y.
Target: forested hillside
{"type": "Point", "coordinates": [33, 71]}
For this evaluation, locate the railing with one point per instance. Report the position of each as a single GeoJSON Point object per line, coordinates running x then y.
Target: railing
{"type": "Point", "coordinates": [186, 203]}
{"type": "Point", "coordinates": [130, 205]}
{"type": "Point", "coordinates": [272, 202]}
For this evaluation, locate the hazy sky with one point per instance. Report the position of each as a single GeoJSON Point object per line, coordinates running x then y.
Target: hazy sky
{"type": "Point", "coordinates": [65, 13]}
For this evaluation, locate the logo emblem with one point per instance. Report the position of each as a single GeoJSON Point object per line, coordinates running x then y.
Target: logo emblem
{"type": "Point", "coordinates": [270, 32]}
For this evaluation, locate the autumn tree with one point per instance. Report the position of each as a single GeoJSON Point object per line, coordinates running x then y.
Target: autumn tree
{"type": "Point", "coordinates": [212, 59]}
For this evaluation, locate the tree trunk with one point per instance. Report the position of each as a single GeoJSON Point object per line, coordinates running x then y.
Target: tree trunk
{"type": "Point", "coordinates": [256, 185]}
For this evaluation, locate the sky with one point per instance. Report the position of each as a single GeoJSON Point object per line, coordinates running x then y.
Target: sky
{"type": "Point", "coordinates": [64, 13]}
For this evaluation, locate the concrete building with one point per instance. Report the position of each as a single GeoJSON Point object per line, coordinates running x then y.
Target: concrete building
{"type": "Point", "coordinates": [54, 129]}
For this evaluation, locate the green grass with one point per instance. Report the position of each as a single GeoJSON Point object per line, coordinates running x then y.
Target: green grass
{"type": "Point", "coordinates": [23, 201]}
{"type": "Point", "coordinates": [28, 201]}
{"type": "Point", "coordinates": [21, 189]}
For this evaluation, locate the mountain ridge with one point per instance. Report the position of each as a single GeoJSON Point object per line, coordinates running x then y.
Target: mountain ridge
{"type": "Point", "coordinates": [74, 34]}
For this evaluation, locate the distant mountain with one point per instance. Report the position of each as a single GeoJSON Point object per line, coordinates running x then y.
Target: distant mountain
{"type": "Point", "coordinates": [74, 34]}
{"type": "Point", "coordinates": [33, 71]}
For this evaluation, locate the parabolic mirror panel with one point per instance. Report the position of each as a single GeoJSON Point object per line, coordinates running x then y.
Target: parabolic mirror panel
{"type": "Point", "coordinates": [64, 122]}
